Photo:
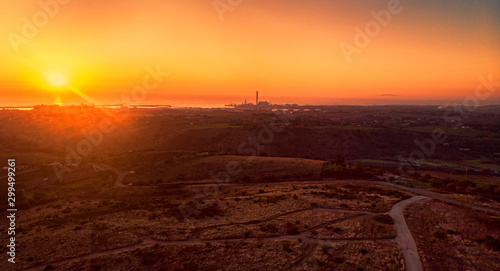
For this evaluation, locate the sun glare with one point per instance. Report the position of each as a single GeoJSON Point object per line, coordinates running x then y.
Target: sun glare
{"type": "Point", "coordinates": [57, 80]}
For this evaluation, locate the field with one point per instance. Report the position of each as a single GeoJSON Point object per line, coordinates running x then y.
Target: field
{"type": "Point", "coordinates": [215, 169]}
{"type": "Point", "coordinates": [179, 189]}
{"type": "Point", "coordinates": [90, 217]}
{"type": "Point", "coordinates": [455, 238]}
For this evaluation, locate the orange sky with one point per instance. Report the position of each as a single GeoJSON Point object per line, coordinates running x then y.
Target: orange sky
{"type": "Point", "coordinates": [429, 51]}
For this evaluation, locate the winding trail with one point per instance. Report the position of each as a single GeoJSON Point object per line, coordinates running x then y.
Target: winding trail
{"type": "Point", "coordinates": [194, 242]}
{"type": "Point", "coordinates": [311, 242]}
{"type": "Point", "coordinates": [144, 244]}
{"type": "Point", "coordinates": [419, 191]}
{"type": "Point", "coordinates": [404, 237]}
{"type": "Point", "coordinates": [423, 192]}
{"type": "Point", "coordinates": [150, 242]}
{"type": "Point", "coordinates": [437, 196]}
{"type": "Point", "coordinates": [358, 213]}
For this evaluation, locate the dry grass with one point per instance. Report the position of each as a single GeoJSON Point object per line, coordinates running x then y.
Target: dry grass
{"type": "Point", "coordinates": [364, 255]}
{"type": "Point", "coordinates": [454, 238]}
{"type": "Point", "coordinates": [92, 218]}
{"type": "Point", "coordinates": [211, 256]}
{"type": "Point", "coordinates": [367, 227]}
{"type": "Point", "coordinates": [242, 169]}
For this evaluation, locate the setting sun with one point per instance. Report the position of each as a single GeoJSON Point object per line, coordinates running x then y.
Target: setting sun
{"type": "Point", "coordinates": [292, 52]}
{"type": "Point", "coordinates": [56, 80]}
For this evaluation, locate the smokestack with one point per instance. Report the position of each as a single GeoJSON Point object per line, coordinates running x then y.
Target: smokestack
{"type": "Point", "coordinates": [257, 98]}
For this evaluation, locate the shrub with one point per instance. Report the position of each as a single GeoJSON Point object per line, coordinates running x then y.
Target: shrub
{"type": "Point", "coordinates": [66, 210]}
{"type": "Point", "coordinates": [439, 234]}
{"type": "Point", "coordinates": [358, 166]}
{"type": "Point", "coordinates": [340, 172]}
{"type": "Point", "coordinates": [287, 246]}
{"type": "Point", "coordinates": [291, 229]}
{"type": "Point", "coordinates": [489, 242]}
{"type": "Point", "coordinates": [384, 219]}
{"type": "Point", "coordinates": [269, 228]}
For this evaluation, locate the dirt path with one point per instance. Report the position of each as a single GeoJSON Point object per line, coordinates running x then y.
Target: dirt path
{"type": "Point", "coordinates": [404, 237]}
{"type": "Point", "coordinates": [358, 213]}
{"type": "Point", "coordinates": [434, 195]}
{"type": "Point", "coordinates": [419, 191]}
{"type": "Point", "coordinates": [423, 192]}
{"type": "Point", "coordinates": [144, 244]}
{"type": "Point", "coordinates": [195, 242]}
{"type": "Point", "coordinates": [312, 242]}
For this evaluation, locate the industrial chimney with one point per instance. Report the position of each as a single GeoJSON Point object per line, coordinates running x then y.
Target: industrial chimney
{"type": "Point", "coordinates": [257, 98]}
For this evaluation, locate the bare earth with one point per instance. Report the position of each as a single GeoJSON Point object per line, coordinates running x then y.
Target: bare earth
{"type": "Point", "coordinates": [404, 237]}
